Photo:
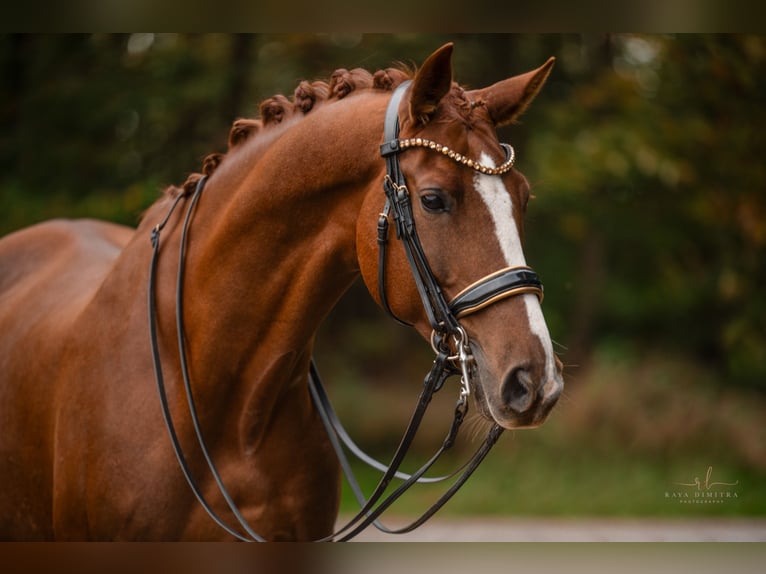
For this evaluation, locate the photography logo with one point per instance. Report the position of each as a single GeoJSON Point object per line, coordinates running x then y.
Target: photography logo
{"type": "Point", "coordinates": [703, 491]}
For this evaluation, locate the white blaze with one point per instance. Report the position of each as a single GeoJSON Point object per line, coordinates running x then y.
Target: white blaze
{"type": "Point", "coordinates": [498, 201]}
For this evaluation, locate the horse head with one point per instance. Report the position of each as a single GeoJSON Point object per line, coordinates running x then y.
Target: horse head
{"type": "Point", "coordinates": [468, 205]}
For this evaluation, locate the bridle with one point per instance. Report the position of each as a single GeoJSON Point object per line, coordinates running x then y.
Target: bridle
{"type": "Point", "coordinates": [442, 315]}
{"type": "Point", "coordinates": [449, 341]}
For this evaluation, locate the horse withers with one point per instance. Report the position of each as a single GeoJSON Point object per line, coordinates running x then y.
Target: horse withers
{"type": "Point", "coordinates": [287, 221]}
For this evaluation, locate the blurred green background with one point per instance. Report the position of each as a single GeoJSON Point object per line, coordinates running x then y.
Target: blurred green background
{"type": "Point", "coordinates": [646, 157]}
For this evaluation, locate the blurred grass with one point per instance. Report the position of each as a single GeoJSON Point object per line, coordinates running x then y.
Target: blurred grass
{"type": "Point", "coordinates": [630, 426]}
{"type": "Point", "coordinates": [535, 485]}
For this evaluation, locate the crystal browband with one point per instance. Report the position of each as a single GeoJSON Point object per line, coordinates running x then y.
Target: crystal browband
{"type": "Point", "coordinates": [460, 158]}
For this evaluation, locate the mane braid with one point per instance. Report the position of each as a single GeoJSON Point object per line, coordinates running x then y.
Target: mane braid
{"type": "Point", "coordinates": [308, 96]}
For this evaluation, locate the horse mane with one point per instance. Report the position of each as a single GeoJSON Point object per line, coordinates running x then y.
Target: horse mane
{"type": "Point", "coordinates": [308, 96]}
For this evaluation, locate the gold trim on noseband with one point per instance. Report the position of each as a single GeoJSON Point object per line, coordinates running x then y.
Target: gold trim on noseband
{"type": "Point", "coordinates": [460, 158]}
{"type": "Point", "coordinates": [500, 296]}
{"type": "Point", "coordinates": [521, 289]}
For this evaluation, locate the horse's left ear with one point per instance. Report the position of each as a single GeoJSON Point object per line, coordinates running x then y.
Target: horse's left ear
{"type": "Point", "coordinates": [506, 100]}
{"type": "Point", "coordinates": [431, 83]}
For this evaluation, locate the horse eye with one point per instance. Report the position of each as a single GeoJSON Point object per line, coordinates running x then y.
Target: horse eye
{"type": "Point", "coordinates": [433, 202]}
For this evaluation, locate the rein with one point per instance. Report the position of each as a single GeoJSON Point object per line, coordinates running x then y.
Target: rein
{"type": "Point", "coordinates": [449, 341]}
{"type": "Point", "coordinates": [156, 360]}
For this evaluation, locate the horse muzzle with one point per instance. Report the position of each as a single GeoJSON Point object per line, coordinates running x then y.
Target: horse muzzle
{"type": "Point", "coordinates": [522, 397]}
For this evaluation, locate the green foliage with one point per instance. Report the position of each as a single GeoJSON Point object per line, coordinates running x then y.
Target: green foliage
{"type": "Point", "coordinates": [652, 166]}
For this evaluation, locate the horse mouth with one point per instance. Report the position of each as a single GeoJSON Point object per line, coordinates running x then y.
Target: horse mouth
{"type": "Point", "coordinates": [512, 411]}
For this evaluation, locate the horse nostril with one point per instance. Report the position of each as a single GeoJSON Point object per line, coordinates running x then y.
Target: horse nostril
{"type": "Point", "coordinates": [517, 391]}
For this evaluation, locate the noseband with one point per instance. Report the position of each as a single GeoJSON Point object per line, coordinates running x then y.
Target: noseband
{"type": "Point", "coordinates": [442, 315]}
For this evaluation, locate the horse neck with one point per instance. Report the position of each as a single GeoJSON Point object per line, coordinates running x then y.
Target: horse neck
{"type": "Point", "coordinates": [272, 246]}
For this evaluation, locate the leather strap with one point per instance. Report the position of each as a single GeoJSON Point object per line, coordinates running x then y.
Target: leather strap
{"type": "Point", "coordinates": [399, 203]}
{"type": "Point", "coordinates": [388, 150]}
{"type": "Point", "coordinates": [501, 284]}
{"type": "Point", "coordinates": [157, 363]}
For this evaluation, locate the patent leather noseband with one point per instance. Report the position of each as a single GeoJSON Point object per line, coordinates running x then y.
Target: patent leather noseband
{"type": "Point", "coordinates": [499, 285]}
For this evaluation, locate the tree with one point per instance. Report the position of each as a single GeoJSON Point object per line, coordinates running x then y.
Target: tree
{"type": "Point", "coordinates": [656, 155]}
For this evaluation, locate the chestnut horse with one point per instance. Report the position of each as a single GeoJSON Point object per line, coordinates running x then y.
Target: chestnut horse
{"type": "Point", "coordinates": [286, 223]}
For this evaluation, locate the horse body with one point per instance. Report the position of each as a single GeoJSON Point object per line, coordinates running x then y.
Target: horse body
{"type": "Point", "coordinates": [280, 232]}
{"type": "Point", "coordinates": [49, 274]}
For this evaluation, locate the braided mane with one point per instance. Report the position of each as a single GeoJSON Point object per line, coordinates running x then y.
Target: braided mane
{"type": "Point", "coordinates": [307, 96]}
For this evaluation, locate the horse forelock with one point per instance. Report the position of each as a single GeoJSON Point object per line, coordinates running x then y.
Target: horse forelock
{"type": "Point", "coordinates": [457, 107]}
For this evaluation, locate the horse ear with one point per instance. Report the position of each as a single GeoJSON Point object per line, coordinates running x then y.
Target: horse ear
{"type": "Point", "coordinates": [508, 99]}
{"type": "Point", "coordinates": [432, 82]}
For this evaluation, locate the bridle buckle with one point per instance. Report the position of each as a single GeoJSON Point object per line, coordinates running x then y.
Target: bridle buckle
{"type": "Point", "coordinates": [458, 353]}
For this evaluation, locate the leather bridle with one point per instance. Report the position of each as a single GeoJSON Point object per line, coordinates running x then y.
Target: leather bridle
{"type": "Point", "coordinates": [449, 340]}
{"type": "Point", "coordinates": [442, 315]}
